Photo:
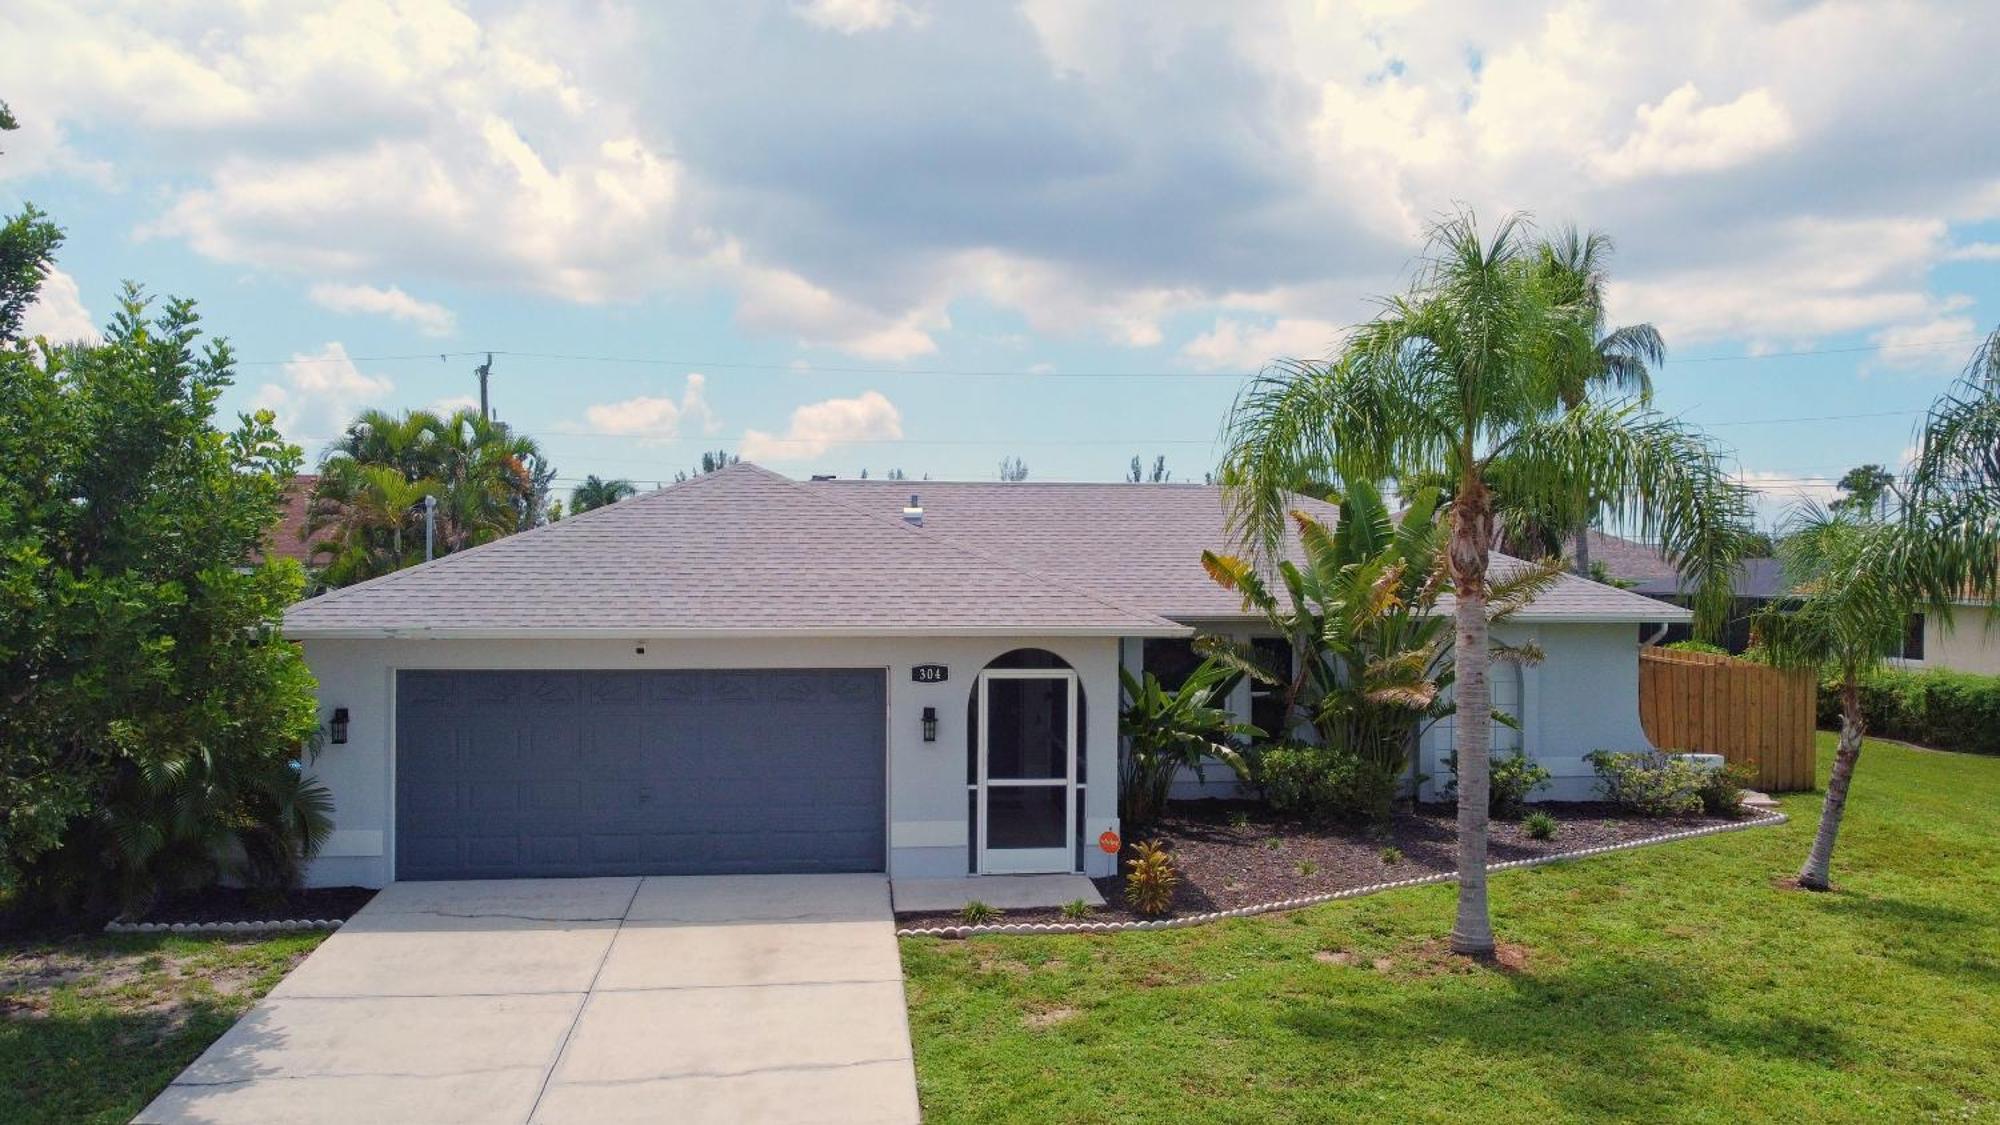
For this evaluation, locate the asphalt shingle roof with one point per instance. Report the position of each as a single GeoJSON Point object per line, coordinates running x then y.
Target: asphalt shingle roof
{"type": "Point", "coordinates": [739, 551]}
{"type": "Point", "coordinates": [1140, 544]}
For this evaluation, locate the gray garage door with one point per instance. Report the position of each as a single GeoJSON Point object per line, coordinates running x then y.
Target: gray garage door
{"type": "Point", "coordinates": [509, 774]}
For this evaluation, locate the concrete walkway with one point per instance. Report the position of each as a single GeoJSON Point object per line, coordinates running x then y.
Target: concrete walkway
{"type": "Point", "coordinates": [745, 998]}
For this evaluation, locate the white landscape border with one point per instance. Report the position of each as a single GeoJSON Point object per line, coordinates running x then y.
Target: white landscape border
{"type": "Point", "coordinates": [1769, 819]}
{"type": "Point", "coordinates": [288, 926]}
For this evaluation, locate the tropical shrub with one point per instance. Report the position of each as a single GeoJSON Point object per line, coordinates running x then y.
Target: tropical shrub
{"type": "Point", "coordinates": [1722, 789]}
{"type": "Point", "coordinates": [1539, 826]}
{"type": "Point", "coordinates": [1077, 909]}
{"type": "Point", "coordinates": [1326, 783]}
{"type": "Point", "coordinates": [1168, 731]}
{"type": "Point", "coordinates": [1150, 882]}
{"type": "Point", "coordinates": [1932, 707]}
{"type": "Point", "coordinates": [1697, 646]}
{"type": "Point", "coordinates": [1650, 783]}
{"type": "Point", "coordinates": [977, 913]}
{"type": "Point", "coordinates": [153, 716]}
{"type": "Point", "coordinates": [1514, 779]}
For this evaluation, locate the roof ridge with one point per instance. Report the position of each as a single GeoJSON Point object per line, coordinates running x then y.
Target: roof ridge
{"type": "Point", "coordinates": [950, 543]}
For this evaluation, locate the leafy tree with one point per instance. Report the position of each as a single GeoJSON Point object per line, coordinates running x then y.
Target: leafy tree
{"type": "Point", "coordinates": [28, 243]}
{"type": "Point", "coordinates": [487, 480]}
{"type": "Point", "coordinates": [711, 462]}
{"type": "Point", "coordinates": [153, 714]}
{"type": "Point", "coordinates": [1864, 490]}
{"type": "Point", "coordinates": [1168, 731]}
{"type": "Point", "coordinates": [896, 474]}
{"type": "Point", "coordinates": [1013, 469]}
{"type": "Point", "coordinates": [1462, 378]}
{"type": "Point", "coordinates": [595, 493]}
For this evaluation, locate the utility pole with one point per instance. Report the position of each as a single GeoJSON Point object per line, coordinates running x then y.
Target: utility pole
{"type": "Point", "coordinates": [483, 370]}
{"type": "Point", "coordinates": [430, 527]}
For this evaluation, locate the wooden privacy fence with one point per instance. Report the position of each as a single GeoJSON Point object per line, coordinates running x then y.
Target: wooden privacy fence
{"type": "Point", "coordinates": [1743, 711]}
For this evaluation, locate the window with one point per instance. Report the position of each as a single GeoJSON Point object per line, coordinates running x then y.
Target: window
{"type": "Point", "coordinates": [1913, 637]}
{"type": "Point", "coordinates": [1267, 701]}
{"type": "Point", "coordinates": [1171, 660]}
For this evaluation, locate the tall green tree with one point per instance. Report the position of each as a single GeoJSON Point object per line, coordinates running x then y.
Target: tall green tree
{"type": "Point", "coordinates": [153, 716]}
{"type": "Point", "coordinates": [596, 493]}
{"type": "Point", "coordinates": [1575, 265]}
{"type": "Point", "coordinates": [1461, 378]}
{"type": "Point", "coordinates": [1864, 490]}
{"type": "Point", "coordinates": [487, 482]}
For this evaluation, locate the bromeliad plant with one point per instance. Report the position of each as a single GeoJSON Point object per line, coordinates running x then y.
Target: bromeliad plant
{"type": "Point", "coordinates": [1168, 731]}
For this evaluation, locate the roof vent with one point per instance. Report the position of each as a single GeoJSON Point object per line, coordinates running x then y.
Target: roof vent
{"type": "Point", "coordinates": [823, 476]}
{"type": "Point", "coordinates": [913, 512]}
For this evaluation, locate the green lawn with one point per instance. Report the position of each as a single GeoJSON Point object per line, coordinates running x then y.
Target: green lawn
{"type": "Point", "coordinates": [92, 1027]}
{"type": "Point", "coordinates": [1673, 983]}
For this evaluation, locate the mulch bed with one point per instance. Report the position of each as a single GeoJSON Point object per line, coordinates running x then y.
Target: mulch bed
{"type": "Point", "coordinates": [1237, 853]}
{"type": "Point", "coordinates": [233, 904]}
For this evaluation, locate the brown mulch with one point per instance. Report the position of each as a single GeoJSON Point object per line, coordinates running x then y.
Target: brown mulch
{"type": "Point", "coordinates": [1237, 853]}
{"type": "Point", "coordinates": [233, 904]}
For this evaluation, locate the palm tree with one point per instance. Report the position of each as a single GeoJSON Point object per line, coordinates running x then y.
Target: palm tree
{"type": "Point", "coordinates": [1622, 359]}
{"type": "Point", "coordinates": [488, 481]}
{"type": "Point", "coordinates": [595, 493]}
{"type": "Point", "coordinates": [1168, 731]}
{"type": "Point", "coordinates": [1461, 378]}
{"type": "Point", "coordinates": [1858, 578]}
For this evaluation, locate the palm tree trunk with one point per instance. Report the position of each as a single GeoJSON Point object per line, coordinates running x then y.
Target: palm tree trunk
{"type": "Point", "coordinates": [1471, 532]}
{"type": "Point", "coordinates": [1817, 874]}
{"type": "Point", "coordinates": [1581, 555]}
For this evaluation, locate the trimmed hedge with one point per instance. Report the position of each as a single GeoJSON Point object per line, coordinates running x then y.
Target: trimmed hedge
{"type": "Point", "coordinates": [1939, 708]}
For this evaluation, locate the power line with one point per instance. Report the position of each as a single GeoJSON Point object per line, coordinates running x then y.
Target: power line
{"type": "Point", "coordinates": [797, 368]}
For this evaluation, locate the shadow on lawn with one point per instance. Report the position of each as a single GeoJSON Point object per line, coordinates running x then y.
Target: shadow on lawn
{"type": "Point", "coordinates": [102, 1066]}
{"type": "Point", "coordinates": [1595, 1032]}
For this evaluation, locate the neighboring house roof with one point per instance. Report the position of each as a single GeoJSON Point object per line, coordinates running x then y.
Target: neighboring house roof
{"type": "Point", "coordinates": [1653, 575]}
{"type": "Point", "coordinates": [742, 551]}
{"type": "Point", "coordinates": [288, 539]}
{"type": "Point", "coordinates": [1140, 544]}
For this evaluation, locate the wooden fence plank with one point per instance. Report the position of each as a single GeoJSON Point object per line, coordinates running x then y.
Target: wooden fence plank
{"type": "Point", "coordinates": [1721, 705]}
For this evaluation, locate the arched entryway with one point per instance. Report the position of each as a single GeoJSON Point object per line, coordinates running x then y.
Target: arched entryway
{"type": "Point", "coordinates": [1025, 774]}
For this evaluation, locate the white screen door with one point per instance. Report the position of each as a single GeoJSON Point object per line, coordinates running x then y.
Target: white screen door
{"type": "Point", "coordinates": [1027, 770]}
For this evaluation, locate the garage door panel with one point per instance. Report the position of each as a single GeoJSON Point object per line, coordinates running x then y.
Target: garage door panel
{"type": "Point", "coordinates": [669, 772]}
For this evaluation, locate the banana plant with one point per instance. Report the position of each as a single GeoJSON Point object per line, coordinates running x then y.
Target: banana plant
{"type": "Point", "coordinates": [1168, 731]}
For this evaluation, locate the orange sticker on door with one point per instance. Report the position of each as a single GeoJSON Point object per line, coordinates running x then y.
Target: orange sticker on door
{"type": "Point", "coordinates": [1108, 842]}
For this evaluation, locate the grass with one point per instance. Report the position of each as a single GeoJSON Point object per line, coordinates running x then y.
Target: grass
{"type": "Point", "coordinates": [1679, 982]}
{"type": "Point", "coordinates": [92, 1027]}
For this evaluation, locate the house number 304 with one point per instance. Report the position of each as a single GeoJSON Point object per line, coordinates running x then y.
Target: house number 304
{"type": "Point", "coordinates": [930, 673]}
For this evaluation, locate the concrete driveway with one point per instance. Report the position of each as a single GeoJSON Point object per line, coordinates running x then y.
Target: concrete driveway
{"type": "Point", "coordinates": [737, 999]}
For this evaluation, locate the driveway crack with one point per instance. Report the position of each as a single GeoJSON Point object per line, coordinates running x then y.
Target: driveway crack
{"type": "Point", "coordinates": [570, 1032]}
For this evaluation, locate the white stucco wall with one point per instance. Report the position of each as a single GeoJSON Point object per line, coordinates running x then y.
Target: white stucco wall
{"type": "Point", "coordinates": [1583, 696]}
{"type": "Point", "coordinates": [927, 803]}
{"type": "Point", "coordinates": [1971, 643]}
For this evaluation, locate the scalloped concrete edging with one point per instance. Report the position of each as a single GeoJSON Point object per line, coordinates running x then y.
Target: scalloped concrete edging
{"type": "Point", "coordinates": [1767, 820]}
{"type": "Point", "coordinates": [290, 925]}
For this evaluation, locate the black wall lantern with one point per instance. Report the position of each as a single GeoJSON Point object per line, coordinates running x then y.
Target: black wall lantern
{"type": "Point", "coordinates": [339, 725]}
{"type": "Point", "coordinates": [930, 724]}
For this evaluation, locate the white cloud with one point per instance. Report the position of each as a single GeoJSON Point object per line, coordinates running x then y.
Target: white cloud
{"type": "Point", "coordinates": [657, 417]}
{"type": "Point", "coordinates": [452, 404]}
{"type": "Point", "coordinates": [58, 312]}
{"type": "Point", "coordinates": [1237, 345]}
{"type": "Point", "coordinates": [1940, 343]}
{"type": "Point", "coordinates": [818, 427]}
{"type": "Point", "coordinates": [431, 318]}
{"type": "Point", "coordinates": [1974, 252]}
{"type": "Point", "coordinates": [320, 394]}
{"type": "Point", "coordinates": [1796, 281]}
{"type": "Point", "coordinates": [1679, 135]}
{"type": "Point", "coordinates": [851, 17]}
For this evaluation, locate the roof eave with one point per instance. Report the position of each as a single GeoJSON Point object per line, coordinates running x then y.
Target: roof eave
{"type": "Point", "coordinates": [1161, 628]}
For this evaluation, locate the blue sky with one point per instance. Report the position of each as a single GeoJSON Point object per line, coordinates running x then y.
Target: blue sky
{"type": "Point", "coordinates": [847, 234]}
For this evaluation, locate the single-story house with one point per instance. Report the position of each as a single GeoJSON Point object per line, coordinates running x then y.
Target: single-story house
{"type": "Point", "coordinates": [746, 673]}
